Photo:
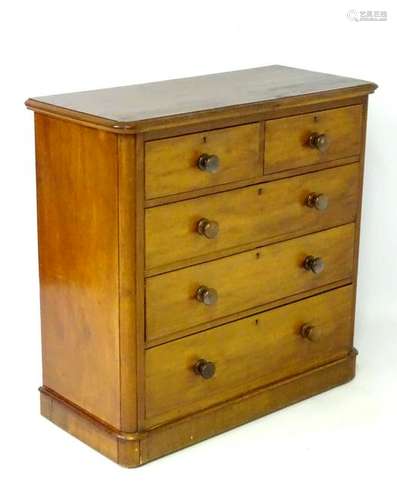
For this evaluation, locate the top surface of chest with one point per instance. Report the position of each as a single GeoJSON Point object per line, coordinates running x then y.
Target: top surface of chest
{"type": "Point", "coordinates": [133, 104]}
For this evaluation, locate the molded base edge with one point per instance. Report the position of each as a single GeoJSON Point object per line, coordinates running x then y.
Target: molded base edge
{"type": "Point", "coordinates": [134, 449]}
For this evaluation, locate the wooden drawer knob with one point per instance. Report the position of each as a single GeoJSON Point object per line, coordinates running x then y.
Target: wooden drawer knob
{"type": "Point", "coordinates": [314, 264]}
{"type": "Point", "coordinates": [208, 296]}
{"type": "Point", "coordinates": [310, 332]}
{"type": "Point", "coordinates": [319, 141]}
{"type": "Point", "coordinates": [208, 163]}
{"type": "Point", "coordinates": [205, 368]}
{"type": "Point", "coordinates": [318, 201]}
{"type": "Point", "coordinates": [208, 228]}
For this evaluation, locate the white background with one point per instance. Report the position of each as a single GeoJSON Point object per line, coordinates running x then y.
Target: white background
{"type": "Point", "coordinates": [339, 444]}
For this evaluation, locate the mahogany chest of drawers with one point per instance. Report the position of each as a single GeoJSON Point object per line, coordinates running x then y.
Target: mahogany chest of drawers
{"type": "Point", "coordinates": [198, 245]}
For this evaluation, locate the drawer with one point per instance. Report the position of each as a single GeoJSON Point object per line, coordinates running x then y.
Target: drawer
{"type": "Point", "coordinates": [313, 138]}
{"type": "Point", "coordinates": [225, 155]}
{"type": "Point", "coordinates": [252, 214]}
{"type": "Point", "coordinates": [247, 353]}
{"type": "Point", "coordinates": [245, 280]}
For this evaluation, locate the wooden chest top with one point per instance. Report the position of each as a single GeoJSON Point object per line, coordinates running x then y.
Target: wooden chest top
{"type": "Point", "coordinates": [126, 107]}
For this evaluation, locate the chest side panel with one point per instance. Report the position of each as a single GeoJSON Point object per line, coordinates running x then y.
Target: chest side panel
{"type": "Point", "coordinates": [78, 251]}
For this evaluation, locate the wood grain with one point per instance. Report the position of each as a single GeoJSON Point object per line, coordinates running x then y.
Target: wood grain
{"type": "Point", "coordinates": [202, 425]}
{"type": "Point", "coordinates": [245, 280]}
{"type": "Point", "coordinates": [135, 103]}
{"type": "Point", "coordinates": [78, 250]}
{"type": "Point", "coordinates": [139, 317]}
{"type": "Point", "coordinates": [121, 447]}
{"type": "Point", "coordinates": [171, 164]}
{"type": "Point", "coordinates": [269, 176]}
{"type": "Point", "coordinates": [287, 138]}
{"type": "Point", "coordinates": [128, 286]}
{"type": "Point", "coordinates": [248, 353]}
{"type": "Point", "coordinates": [260, 112]}
{"type": "Point", "coordinates": [74, 423]}
{"type": "Point", "coordinates": [252, 214]}
{"type": "Point", "coordinates": [135, 450]}
{"type": "Point", "coordinates": [119, 198]}
{"type": "Point", "coordinates": [248, 312]}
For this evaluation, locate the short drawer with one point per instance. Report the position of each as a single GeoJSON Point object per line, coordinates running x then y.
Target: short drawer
{"type": "Point", "coordinates": [246, 354]}
{"type": "Point", "coordinates": [258, 213]}
{"type": "Point", "coordinates": [195, 161]}
{"type": "Point", "coordinates": [175, 301]}
{"type": "Point", "coordinates": [313, 138]}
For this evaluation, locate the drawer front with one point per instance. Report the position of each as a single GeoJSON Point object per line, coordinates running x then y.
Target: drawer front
{"type": "Point", "coordinates": [313, 138]}
{"type": "Point", "coordinates": [253, 214]}
{"type": "Point", "coordinates": [245, 280]}
{"type": "Point", "coordinates": [171, 165]}
{"type": "Point", "coordinates": [248, 353]}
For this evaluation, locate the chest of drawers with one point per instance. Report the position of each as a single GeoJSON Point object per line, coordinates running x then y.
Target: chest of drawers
{"type": "Point", "coordinates": [198, 247]}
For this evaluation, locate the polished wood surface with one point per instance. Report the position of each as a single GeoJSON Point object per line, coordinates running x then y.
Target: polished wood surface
{"type": "Point", "coordinates": [245, 280]}
{"type": "Point", "coordinates": [121, 447]}
{"type": "Point", "coordinates": [248, 353]}
{"type": "Point", "coordinates": [201, 425]}
{"type": "Point", "coordinates": [82, 428]}
{"type": "Point", "coordinates": [134, 103]}
{"type": "Point", "coordinates": [133, 450]}
{"type": "Point", "coordinates": [78, 250]}
{"type": "Point", "coordinates": [287, 139]}
{"type": "Point", "coordinates": [252, 214]}
{"type": "Point", "coordinates": [171, 164]}
{"type": "Point", "coordinates": [130, 330]}
{"type": "Point", "coordinates": [185, 290]}
{"type": "Point", "coordinates": [267, 177]}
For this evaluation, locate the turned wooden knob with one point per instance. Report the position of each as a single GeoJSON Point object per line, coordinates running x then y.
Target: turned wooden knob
{"type": "Point", "coordinates": [318, 201]}
{"type": "Point", "coordinates": [319, 141]}
{"type": "Point", "coordinates": [208, 228]}
{"type": "Point", "coordinates": [314, 264]}
{"type": "Point", "coordinates": [310, 332]}
{"type": "Point", "coordinates": [208, 296]}
{"type": "Point", "coordinates": [205, 368]}
{"type": "Point", "coordinates": [208, 163]}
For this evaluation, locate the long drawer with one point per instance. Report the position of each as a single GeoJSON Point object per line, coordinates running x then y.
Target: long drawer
{"type": "Point", "coordinates": [252, 214]}
{"type": "Point", "coordinates": [245, 354]}
{"type": "Point", "coordinates": [313, 138]}
{"type": "Point", "coordinates": [175, 301]}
